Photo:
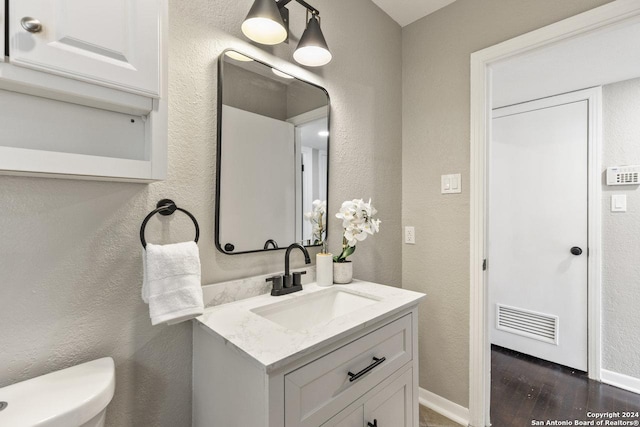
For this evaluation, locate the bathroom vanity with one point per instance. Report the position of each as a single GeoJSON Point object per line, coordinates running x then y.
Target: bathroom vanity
{"type": "Point", "coordinates": [345, 355]}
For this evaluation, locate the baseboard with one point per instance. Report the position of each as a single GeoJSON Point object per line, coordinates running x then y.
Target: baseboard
{"type": "Point", "coordinates": [620, 380]}
{"type": "Point", "coordinates": [444, 407]}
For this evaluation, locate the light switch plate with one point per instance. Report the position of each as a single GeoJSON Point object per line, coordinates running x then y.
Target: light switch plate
{"type": "Point", "coordinates": [451, 183]}
{"type": "Point", "coordinates": [619, 203]}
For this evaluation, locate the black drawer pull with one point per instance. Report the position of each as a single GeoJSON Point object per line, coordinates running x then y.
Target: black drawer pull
{"type": "Point", "coordinates": [376, 362]}
{"type": "Point", "coordinates": [375, 424]}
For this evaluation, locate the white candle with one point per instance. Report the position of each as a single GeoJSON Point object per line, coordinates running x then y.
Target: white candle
{"type": "Point", "coordinates": [324, 269]}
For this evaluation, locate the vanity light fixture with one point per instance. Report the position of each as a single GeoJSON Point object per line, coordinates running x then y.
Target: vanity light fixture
{"type": "Point", "coordinates": [264, 23]}
{"type": "Point", "coordinates": [268, 23]}
{"type": "Point", "coordinates": [312, 49]}
{"type": "Point", "coordinates": [323, 133]}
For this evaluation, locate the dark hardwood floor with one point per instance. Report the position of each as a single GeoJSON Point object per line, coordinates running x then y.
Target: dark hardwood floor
{"type": "Point", "coordinates": [525, 389]}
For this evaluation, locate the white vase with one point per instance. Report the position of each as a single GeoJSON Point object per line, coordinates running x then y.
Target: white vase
{"type": "Point", "coordinates": [342, 272]}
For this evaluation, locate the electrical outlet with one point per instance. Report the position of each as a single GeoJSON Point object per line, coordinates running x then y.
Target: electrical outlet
{"type": "Point", "coordinates": [410, 235]}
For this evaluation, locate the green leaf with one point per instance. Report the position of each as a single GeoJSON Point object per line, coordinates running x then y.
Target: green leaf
{"type": "Point", "coordinates": [349, 251]}
{"type": "Point", "coordinates": [345, 253]}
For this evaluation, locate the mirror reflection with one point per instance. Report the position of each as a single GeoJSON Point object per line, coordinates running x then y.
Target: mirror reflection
{"type": "Point", "coordinates": [273, 146]}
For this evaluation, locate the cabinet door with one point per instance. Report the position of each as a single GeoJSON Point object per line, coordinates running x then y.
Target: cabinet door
{"type": "Point", "coordinates": [114, 43]}
{"type": "Point", "coordinates": [347, 418]}
{"type": "Point", "coordinates": [393, 405]}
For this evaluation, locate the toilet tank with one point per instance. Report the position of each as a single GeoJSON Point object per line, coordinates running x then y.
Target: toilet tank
{"type": "Point", "coordinates": [74, 397]}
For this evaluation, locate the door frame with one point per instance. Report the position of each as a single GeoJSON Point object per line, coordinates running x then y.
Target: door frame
{"type": "Point", "coordinates": [620, 12]}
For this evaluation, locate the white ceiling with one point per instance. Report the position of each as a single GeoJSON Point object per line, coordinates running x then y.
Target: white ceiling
{"type": "Point", "coordinates": [404, 12]}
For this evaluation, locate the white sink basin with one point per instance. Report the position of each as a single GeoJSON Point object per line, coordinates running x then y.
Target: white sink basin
{"type": "Point", "coordinates": [314, 309]}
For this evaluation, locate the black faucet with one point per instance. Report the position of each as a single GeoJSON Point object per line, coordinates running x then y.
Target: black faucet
{"type": "Point", "coordinates": [287, 284]}
{"type": "Point", "coordinates": [307, 260]}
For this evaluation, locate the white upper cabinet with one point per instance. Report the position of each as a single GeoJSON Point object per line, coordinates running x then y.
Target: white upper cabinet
{"type": "Point", "coordinates": [115, 43]}
{"type": "Point", "coordinates": [83, 89]}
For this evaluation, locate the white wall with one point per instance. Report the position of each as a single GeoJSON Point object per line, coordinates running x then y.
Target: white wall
{"type": "Point", "coordinates": [70, 271]}
{"type": "Point", "coordinates": [621, 232]}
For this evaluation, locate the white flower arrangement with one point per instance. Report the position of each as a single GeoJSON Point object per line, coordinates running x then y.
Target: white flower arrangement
{"type": "Point", "coordinates": [358, 223]}
{"type": "Point", "coordinates": [315, 218]}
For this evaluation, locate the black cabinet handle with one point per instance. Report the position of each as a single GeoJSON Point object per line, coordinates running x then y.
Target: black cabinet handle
{"type": "Point", "coordinates": [376, 362]}
{"type": "Point", "coordinates": [576, 251]}
{"type": "Point", "coordinates": [375, 424]}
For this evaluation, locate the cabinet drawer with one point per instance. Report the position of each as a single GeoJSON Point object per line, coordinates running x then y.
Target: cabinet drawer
{"type": "Point", "coordinates": [320, 389]}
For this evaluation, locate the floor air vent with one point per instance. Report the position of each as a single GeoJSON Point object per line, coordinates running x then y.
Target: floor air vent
{"type": "Point", "coordinates": [539, 326]}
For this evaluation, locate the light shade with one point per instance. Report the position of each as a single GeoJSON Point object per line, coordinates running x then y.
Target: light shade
{"type": "Point", "coordinates": [312, 50]}
{"type": "Point", "coordinates": [263, 23]}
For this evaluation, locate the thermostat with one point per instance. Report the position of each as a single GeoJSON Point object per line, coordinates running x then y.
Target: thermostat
{"type": "Point", "coordinates": [623, 175]}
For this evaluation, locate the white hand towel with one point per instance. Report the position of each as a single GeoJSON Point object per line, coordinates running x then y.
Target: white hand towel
{"type": "Point", "coordinates": [171, 283]}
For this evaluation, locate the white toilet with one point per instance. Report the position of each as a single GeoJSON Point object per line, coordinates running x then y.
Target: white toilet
{"type": "Point", "coordinates": [73, 397]}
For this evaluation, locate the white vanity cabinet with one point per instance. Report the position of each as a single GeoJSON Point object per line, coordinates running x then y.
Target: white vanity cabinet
{"type": "Point", "coordinates": [83, 89]}
{"type": "Point", "coordinates": [366, 376]}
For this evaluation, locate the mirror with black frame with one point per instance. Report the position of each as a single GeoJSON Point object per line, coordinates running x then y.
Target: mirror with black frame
{"type": "Point", "coordinates": [273, 158]}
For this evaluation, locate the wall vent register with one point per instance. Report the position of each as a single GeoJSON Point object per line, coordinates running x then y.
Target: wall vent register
{"type": "Point", "coordinates": [623, 175]}
{"type": "Point", "coordinates": [531, 324]}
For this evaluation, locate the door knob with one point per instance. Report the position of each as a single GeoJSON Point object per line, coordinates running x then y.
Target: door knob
{"type": "Point", "coordinates": [375, 424]}
{"type": "Point", "coordinates": [30, 24]}
{"type": "Point", "coordinates": [576, 251]}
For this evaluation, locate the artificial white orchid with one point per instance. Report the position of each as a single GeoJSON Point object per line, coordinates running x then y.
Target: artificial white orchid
{"type": "Point", "coordinates": [315, 218]}
{"type": "Point", "coordinates": [358, 223]}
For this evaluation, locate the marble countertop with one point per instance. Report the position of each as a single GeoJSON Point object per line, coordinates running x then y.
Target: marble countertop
{"type": "Point", "coordinates": [272, 346]}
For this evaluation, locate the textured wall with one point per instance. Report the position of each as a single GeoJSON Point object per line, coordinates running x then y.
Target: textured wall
{"type": "Point", "coordinates": [435, 133]}
{"type": "Point", "coordinates": [620, 231]}
{"type": "Point", "coordinates": [69, 253]}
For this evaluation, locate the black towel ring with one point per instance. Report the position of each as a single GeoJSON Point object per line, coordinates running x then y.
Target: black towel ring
{"type": "Point", "coordinates": [166, 207]}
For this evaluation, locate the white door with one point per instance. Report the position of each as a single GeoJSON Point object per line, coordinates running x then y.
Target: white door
{"type": "Point", "coordinates": [115, 43]}
{"type": "Point", "coordinates": [323, 166]}
{"type": "Point", "coordinates": [258, 154]}
{"type": "Point", "coordinates": [537, 229]}
{"type": "Point", "coordinates": [307, 191]}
